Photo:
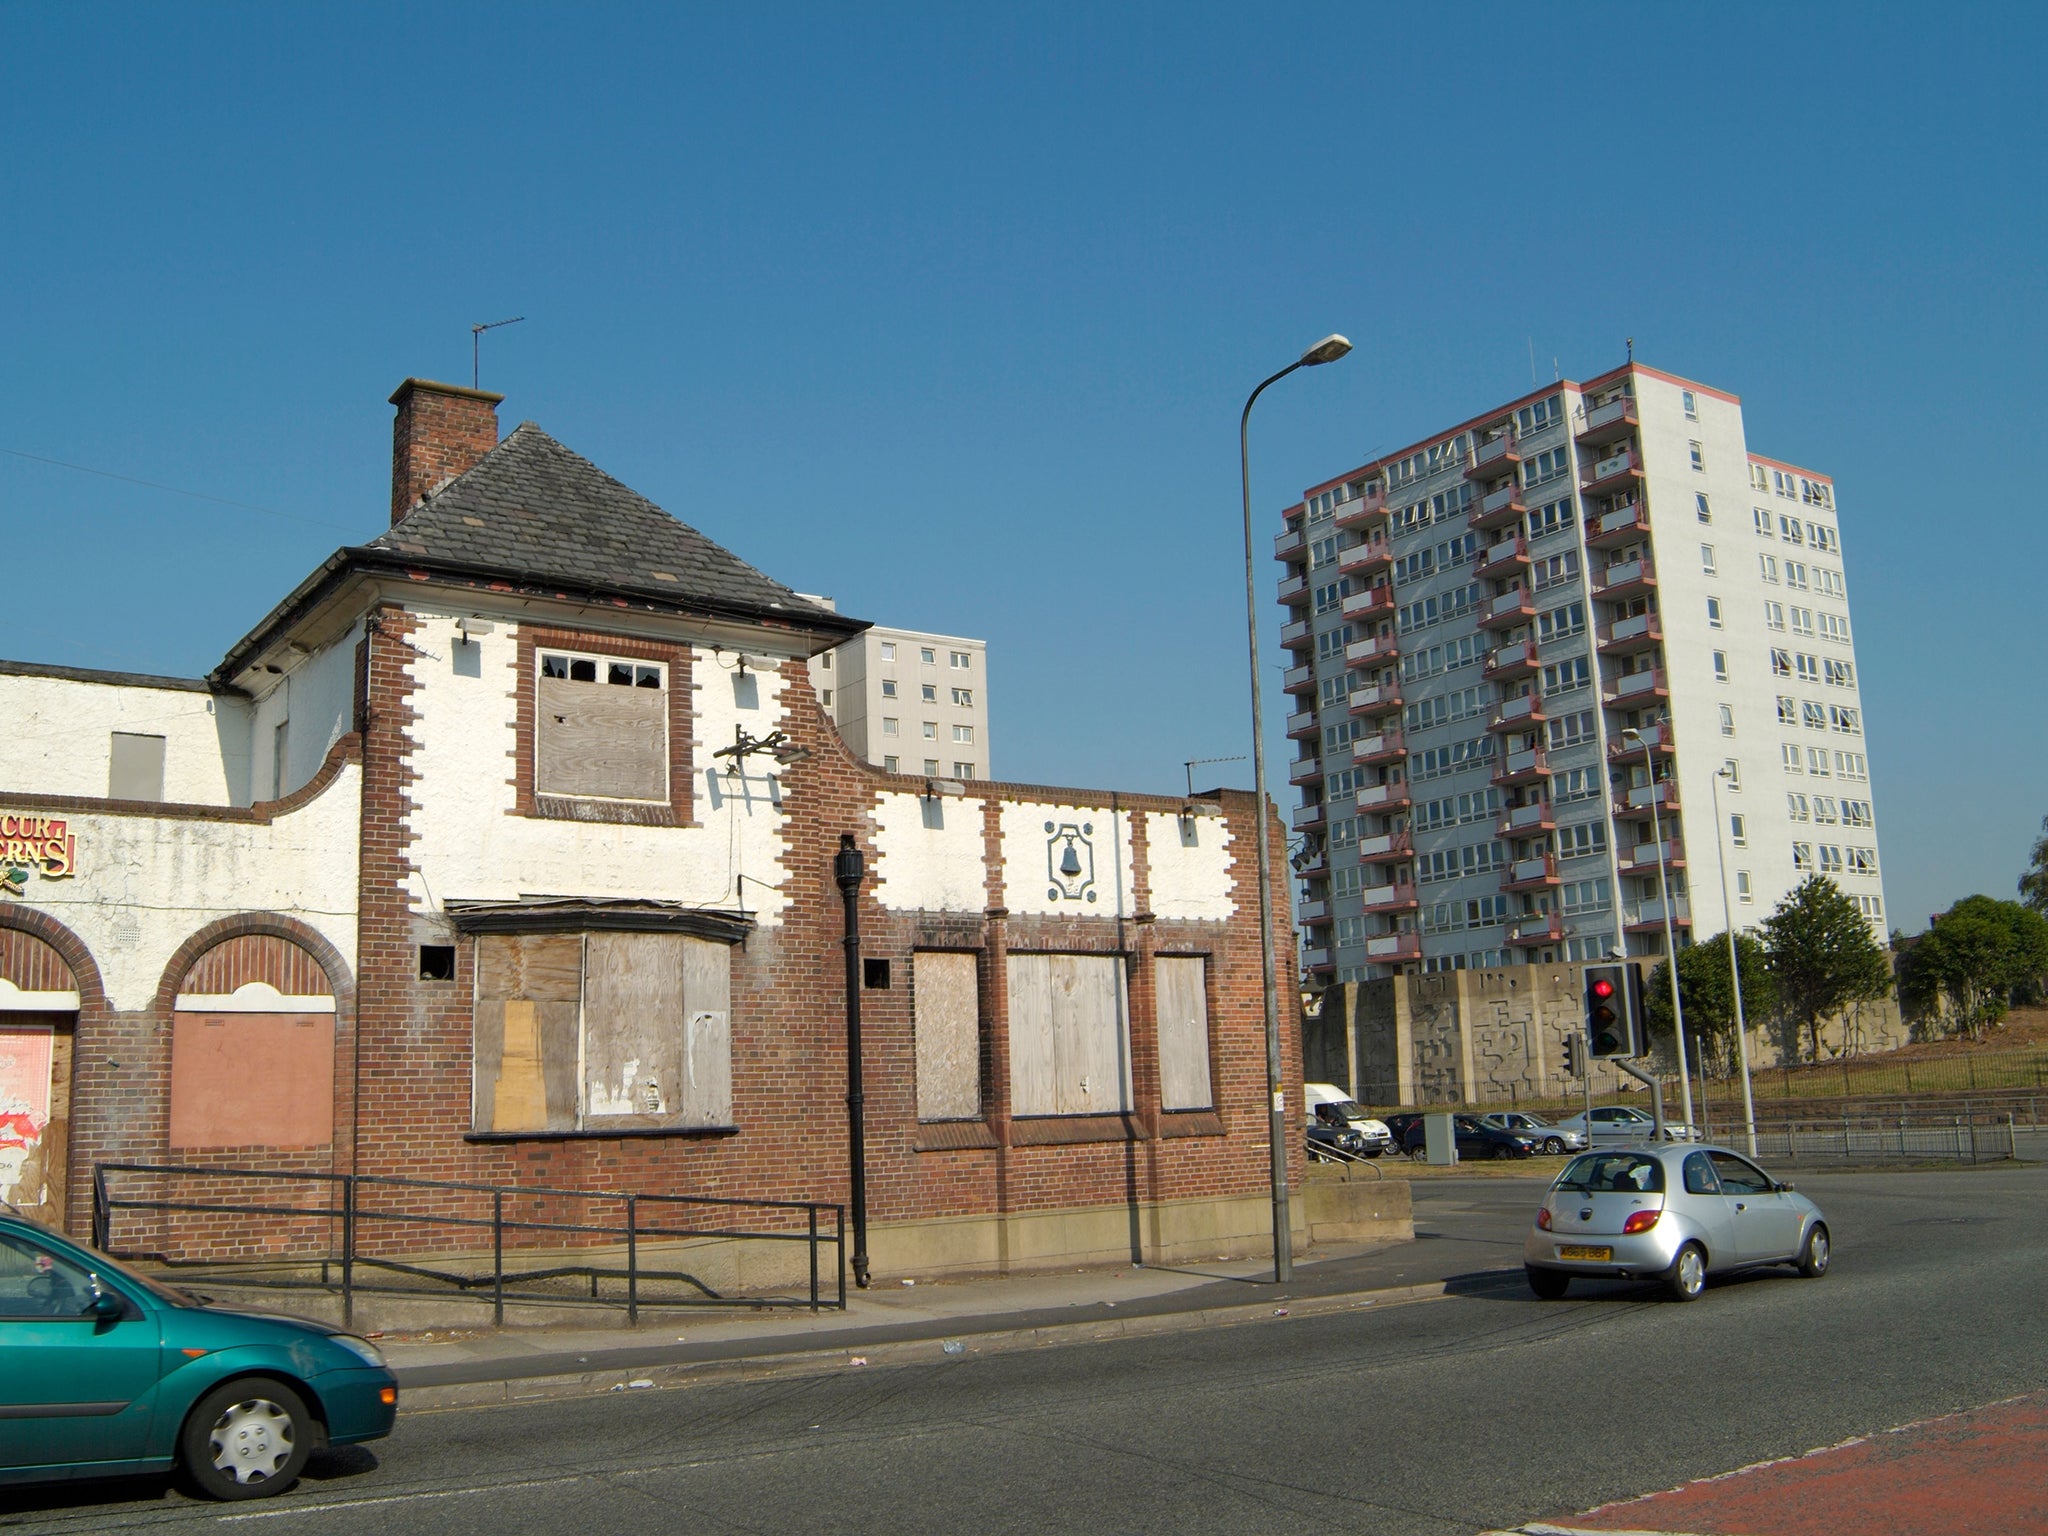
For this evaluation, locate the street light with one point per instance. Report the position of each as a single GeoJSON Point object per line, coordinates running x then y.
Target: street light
{"type": "Point", "coordinates": [1670, 940]}
{"type": "Point", "coordinates": [1328, 350]}
{"type": "Point", "coordinates": [1734, 969]}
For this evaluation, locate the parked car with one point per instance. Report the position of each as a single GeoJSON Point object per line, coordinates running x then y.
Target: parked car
{"type": "Point", "coordinates": [1553, 1139]}
{"type": "Point", "coordinates": [1617, 1123]}
{"type": "Point", "coordinates": [109, 1373]}
{"type": "Point", "coordinates": [1330, 1105]}
{"type": "Point", "coordinates": [1335, 1144]}
{"type": "Point", "coordinates": [1398, 1123]}
{"type": "Point", "coordinates": [1475, 1139]}
{"type": "Point", "coordinates": [1673, 1213]}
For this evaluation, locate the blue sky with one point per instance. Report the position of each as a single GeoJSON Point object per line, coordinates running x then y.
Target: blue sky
{"type": "Point", "coordinates": [949, 312]}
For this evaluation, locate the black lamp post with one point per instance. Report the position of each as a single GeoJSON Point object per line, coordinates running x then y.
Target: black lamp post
{"type": "Point", "coordinates": [849, 868]}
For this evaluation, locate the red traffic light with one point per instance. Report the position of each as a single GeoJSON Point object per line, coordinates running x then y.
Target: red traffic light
{"type": "Point", "coordinates": [1602, 987]}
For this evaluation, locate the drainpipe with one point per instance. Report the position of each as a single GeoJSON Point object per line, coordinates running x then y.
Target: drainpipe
{"type": "Point", "coordinates": [848, 869]}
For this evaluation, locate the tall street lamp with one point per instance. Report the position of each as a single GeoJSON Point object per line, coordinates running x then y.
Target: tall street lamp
{"type": "Point", "coordinates": [1328, 350]}
{"type": "Point", "coordinates": [1670, 941]}
{"type": "Point", "coordinates": [1734, 969]}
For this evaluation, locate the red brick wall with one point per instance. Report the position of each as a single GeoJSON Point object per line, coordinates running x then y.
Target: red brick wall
{"type": "Point", "coordinates": [789, 1065]}
{"type": "Point", "coordinates": [440, 431]}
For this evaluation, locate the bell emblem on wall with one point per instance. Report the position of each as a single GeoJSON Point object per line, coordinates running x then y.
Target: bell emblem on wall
{"type": "Point", "coordinates": [1070, 861]}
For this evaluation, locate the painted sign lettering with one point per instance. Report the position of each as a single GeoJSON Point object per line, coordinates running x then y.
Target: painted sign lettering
{"type": "Point", "coordinates": [35, 844]}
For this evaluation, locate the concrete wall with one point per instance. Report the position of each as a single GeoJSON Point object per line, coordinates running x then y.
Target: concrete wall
{"type": "Point", "coordinates": [1497, 1037]}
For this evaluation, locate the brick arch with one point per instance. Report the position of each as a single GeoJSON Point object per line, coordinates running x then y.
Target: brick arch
{"type": "Point", "coordinates": [256, 925]}
{"type": "Point", "coordinates": [69, 947]}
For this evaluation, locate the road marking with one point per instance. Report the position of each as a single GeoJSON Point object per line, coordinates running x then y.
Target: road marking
{"type": "Point", "coordinates": [282, 1511]}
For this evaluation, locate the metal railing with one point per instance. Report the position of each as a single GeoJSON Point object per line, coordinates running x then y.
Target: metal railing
{"type": "Point", "coordinates": [354, 1202]}
{"type": "Point", "coordinates": [1972, 1136]}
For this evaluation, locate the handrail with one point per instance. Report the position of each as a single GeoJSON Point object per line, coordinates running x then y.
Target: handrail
{"type": "Point", "coordinates": [353, 1213]}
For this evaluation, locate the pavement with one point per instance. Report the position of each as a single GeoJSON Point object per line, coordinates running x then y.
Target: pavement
{"type": "Point", "coordinates": [1984, 1471]}
{"type": "Point", "coordinates": [907, 1319]}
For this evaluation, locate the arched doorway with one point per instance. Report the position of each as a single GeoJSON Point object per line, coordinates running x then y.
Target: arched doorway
{"type": "Point", "coordinates": [252, 1050]}
{"type": "Point", "coordinates": [38, 1028]}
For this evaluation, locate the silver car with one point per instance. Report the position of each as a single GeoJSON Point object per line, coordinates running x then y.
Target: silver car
{"type": "Point", "coordinates": [1614, 1123]}
{"type": "Point", "coordinates": [1671, 1213]}
{"type": "Point", "coordinates": [1556, 1139]}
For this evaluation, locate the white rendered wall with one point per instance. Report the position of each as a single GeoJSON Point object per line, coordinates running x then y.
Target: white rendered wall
{"type": "Point", "coordinates": [317, 698]}
{"type": "Point", "coordinates": [59, 738]}
{"type": "Point", "coordinates": [1027, 886]}
{"type": "Point", "coordinates": [145, 884]}
{"type": "Point", "coordinates": [468, 845]}
{"type": "Point", "coordinates": [1190, 879]}
{"type": "Point", "coordinates": [922, 866]}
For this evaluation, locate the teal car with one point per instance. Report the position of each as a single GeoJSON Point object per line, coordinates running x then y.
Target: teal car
{"type": "Point", "coordinates": [105, 1372]}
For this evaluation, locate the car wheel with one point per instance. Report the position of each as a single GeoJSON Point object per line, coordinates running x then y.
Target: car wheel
{"type": "Point", "coordinates": [1554, 1146]}
{"type": "Point", "coordinates": [247, 1439]}
{"type": "Point", "coordinates": [1687, 1276]}
{"type": "Point", "coordinates": [1813, 1258]}
{"type": "Point", "coordinates": [1548, 1284]}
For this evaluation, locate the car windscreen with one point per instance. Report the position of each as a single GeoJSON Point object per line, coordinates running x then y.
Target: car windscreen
{"type": "Point", "coordinates": [1623, 1172]}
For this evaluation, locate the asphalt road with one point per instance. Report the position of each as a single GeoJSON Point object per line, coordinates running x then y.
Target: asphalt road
{"type": "Point", "coordinates": [1487, 1408]}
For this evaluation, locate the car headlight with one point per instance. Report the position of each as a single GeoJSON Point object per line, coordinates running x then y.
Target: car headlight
{"type": "Point", "coordinates": [362, 1349]}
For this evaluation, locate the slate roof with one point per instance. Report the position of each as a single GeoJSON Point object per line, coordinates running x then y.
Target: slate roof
{"type": "Point", "coordinates": [532, 508]}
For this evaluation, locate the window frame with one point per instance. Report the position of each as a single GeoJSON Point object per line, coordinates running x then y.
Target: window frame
{"type": "Point", "coordinates": [678, 807]}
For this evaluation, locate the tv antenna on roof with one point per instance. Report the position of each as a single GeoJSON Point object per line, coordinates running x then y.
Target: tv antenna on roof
{"type": "Point", "coordinates": [476, 333]}
{"type": "Point", "coordinates": [1195, 762]}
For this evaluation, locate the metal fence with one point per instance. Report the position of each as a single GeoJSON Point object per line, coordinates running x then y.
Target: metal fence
{"type": "Point", "coordinates": [1973, 1136]}
{"type": "Point", "coordinates": [265, 1227]}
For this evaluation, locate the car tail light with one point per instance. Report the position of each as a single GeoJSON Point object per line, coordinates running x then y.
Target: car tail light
{"type": "Point", "coordinates": [1543, 1217]}
{"type": "Point", "coordinates": [1640, 1221]}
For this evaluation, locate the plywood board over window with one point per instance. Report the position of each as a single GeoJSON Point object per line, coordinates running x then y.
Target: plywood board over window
{"type": "Point", "coordinates": [529, 995]}
{"type": "Point", "coordinates": [948, 1022]}
{"type": "Point", "coordinates": [1069, 1035]}
{"type": "Point", "coordinates": [602, 1032]}
{"type": "Point", "coordinates": [600, 729]}
{"type": "Point", "coordinates": [1182, 986]}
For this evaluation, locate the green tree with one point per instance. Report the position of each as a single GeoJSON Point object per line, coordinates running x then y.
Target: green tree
{"type": "Point", "coordinates": [1967, 966]}
{"type": "Point", "coordinates": [1708, 993]}
{"type": "Point", "coordinates": [2034, 883]}
{"type": "Point", "coordinates": [1822, 956]}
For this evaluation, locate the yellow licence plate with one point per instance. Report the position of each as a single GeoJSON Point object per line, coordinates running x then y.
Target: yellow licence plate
{"type": "Point", "coordinates": [1575, 1251]}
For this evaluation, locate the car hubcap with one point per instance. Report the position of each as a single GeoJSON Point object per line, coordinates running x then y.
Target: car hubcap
{"type": "Point", "coordinates": [1691, 1274]}
{"type": "Point", "coordinates": [252, 1440]}
{"type": "Point", "coordinates": [1817, 1249]}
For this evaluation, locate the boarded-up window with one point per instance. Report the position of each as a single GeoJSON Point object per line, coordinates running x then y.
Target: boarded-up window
{"type": "Point", "coordinates": [136, 767]}
{"type": "Point", "coordinates": [1069, 1035]}
{"type": "Point", "coordinates": [602, 1031]}
{"type": "Point", "coordinates": [251, 1080]}
{"type": "Point", "coordinates": [948, 1036]}
{"type": "Point", "coordinates": [1182, 987]}
{"type": "Point", "coordinates": [600, 728]}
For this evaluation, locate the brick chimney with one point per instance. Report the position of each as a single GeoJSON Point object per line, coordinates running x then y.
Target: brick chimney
{"type": "Point", "coordinates": [441, 430]}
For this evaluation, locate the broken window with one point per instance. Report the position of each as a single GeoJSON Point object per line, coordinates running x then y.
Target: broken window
{"type": "Point", "coordinates": [602, 1032]}
{"type": "Point", "coordinates": [600, 728]}
{"type": "Point", "coordinates": [1069, 1035]}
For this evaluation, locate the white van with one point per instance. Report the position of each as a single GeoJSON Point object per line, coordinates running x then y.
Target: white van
{"type": "Point", "coordinates": [1328, 1104]}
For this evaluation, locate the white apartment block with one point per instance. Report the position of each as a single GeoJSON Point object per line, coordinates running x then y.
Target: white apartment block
{"type": "Point", "coordinates": [909, 702]}
{"type": "Point", "coordinates": [1528, 646]}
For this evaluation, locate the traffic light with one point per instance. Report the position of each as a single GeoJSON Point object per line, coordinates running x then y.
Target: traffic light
{"type": "Point", "coordinates": [1612, 1021]}
{"type": "Point", "coordinates": [1574, 1056]}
